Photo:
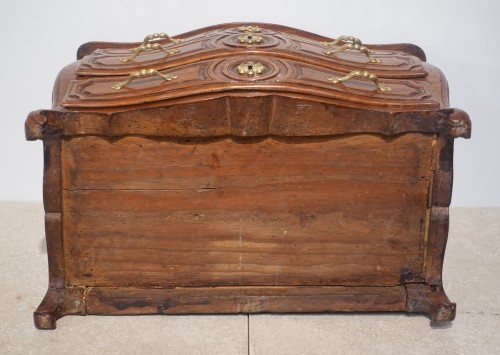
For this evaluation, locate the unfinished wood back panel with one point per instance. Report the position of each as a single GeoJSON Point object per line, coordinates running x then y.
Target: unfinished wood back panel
{"type": "Point", "coordinates": [348, 210]}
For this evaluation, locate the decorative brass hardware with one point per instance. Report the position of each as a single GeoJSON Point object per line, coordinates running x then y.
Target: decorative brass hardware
{"type": "Point", "coordinates": [250, 38]}
{"type": "Point", "coordinates": [146, 47]}
{"type": "Point", "coordinates": [160, 35]}
{"type": "Point", "coordinates": [355, 47]}
{"type": "Point", "coordinates": [355, 44]}
{"type": "Point", "coordinates": [150, 46]}
{"type": "Point", "coordinates": [143, 73]}
{"type": "Point", "coordinates": [351, 39]}
{"type": "Point", "coordinates": [251, 68]}
{"type": "Point", "coordinates": [251, 29]}
{"type": "Point", "coordinates": [361, 74]}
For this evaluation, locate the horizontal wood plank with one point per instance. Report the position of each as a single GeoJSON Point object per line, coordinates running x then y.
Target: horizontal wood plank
{"type": "Point", "coordinates": [114, 301]}
{"type": "Point", "coordinates": [142, 163]}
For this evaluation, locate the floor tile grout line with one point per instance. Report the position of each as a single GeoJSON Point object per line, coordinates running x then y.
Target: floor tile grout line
{"type": "Point", "coordinates": [480, 313]}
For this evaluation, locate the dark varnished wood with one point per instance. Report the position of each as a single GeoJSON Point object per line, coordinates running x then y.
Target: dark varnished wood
{"type": "Point", "coordinates": [222, 193]}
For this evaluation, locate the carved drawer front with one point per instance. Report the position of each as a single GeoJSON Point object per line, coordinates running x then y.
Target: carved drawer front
{"type": "Point", "coordinates": [224, 75]}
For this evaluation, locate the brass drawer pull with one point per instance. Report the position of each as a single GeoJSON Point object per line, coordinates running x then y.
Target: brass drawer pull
{"type": "Point", "coordinates": [143, 73]}
{"type": "Point", "coordinates": [146, 47]}
{"type": "Point", "coordinates": [339, 39]}
{"type": "Point", "coordinates": [360, 74]}
{"type": "Point", "coordinates": [355, 44]}
{"type": "Point", "coordinates": [161, 35]}
{"type": "Point", "coordinates": [356, 47]}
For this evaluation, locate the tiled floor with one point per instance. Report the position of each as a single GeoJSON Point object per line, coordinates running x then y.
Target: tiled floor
{"type": "Point", "coordinates": [471, 279]}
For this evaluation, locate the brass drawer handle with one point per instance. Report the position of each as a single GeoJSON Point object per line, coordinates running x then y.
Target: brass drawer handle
{"type": "Point", "coordinates": [356, 47]}
{"type": "Point", "coordinates": [339, 39]}
{"type": "Point", "coordinates": [146, 47]}
{"type": "Point", "coordinates": [355, 44]}
{"type": "Point", "coordinates": [160, 35]}
{"type": "Point", "coordinates": [360, 74]}
{"type": "Point", "coordinates": [143, 73]}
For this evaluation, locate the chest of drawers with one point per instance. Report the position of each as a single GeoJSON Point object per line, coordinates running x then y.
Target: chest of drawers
{"type": "Point", "coordinates": [246, 168]}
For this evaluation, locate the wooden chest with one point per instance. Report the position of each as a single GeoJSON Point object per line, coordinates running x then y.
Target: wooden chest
{"type": "Point", "coordinates": [246, 168]}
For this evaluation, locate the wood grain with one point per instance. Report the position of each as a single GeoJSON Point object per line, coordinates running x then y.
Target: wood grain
{"type": "Point", "coordinates": [245, 213]}
{"type": "Point", "coordinates": [180, 300]}
{"type": "Point", "coordinates": [442, 185]}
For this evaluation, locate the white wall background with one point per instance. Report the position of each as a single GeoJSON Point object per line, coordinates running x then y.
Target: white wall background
{"type": "Point", "coordinates": [38, 38]}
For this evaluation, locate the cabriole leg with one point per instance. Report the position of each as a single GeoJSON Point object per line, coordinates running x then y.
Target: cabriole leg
{"type": "Point", "coordinates": [430, 300]}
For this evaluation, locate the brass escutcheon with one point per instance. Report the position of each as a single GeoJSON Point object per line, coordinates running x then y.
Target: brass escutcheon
{"type": "Point", "coordinates": [250, 38]}
{"type": "Point", "coordinates": [251, 68]}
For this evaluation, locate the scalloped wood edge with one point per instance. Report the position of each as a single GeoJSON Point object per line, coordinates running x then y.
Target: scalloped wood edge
{"type": "Point", "coordinates": [272, 116]}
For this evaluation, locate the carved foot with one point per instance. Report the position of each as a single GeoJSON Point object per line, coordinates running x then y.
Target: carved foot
{"type": "Point", "coordinates": [58, 303]}
{"type": "Point", "coordinates": [431, 300]}
{"type": "Point", "coordinates": [44, 320]}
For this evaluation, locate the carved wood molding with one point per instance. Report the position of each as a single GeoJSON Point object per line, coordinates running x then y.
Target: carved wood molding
{"type": "Point", "coordinates": [277, 115]}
